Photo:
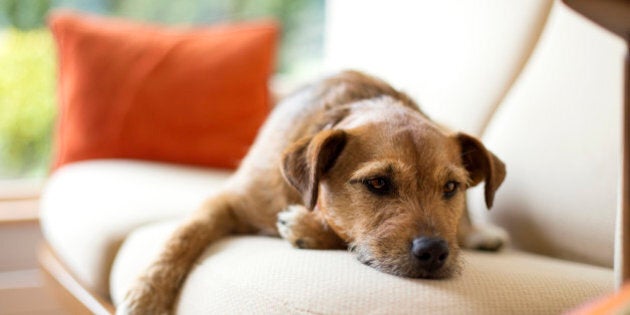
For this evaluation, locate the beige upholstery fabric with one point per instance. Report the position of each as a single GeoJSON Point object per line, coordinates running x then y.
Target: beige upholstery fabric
{"type": "Point", "coordinates": [88, 208]}
{"type": "Point", "coordinates": [559, 134]}
{"type": "Point", "coordinates": [457, 58]}
{"type": "Point", "coordinates": [254, 275]}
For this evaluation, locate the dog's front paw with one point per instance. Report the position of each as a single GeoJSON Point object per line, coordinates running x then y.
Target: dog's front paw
{"type": "Point", "coordinates": [141, 300]}
{"type": "Point", "coordinates": [486, 237]}
{"type": "Point", "coordinates": [288, 225]}
{"type": "Point", "coordinates": [145, 297]}
{"type": "Point", "coordinates": [304, 230]}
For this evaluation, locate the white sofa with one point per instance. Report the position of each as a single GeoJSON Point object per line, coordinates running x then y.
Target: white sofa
{"type": "Point", "coordinates": [539, 83]}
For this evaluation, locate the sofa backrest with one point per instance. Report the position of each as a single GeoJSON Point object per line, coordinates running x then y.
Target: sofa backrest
{"type": "Point", "coordinates": [559, 132]}
{"type": "Point", "coordinates": [541, 84]}
{"type": "Point", "coordinates": [456, 58]}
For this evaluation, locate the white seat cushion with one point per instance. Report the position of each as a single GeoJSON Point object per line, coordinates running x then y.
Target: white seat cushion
{"type": "Point", "coordinates": [88, 208]}
{"type": "Point", "coordinates": [255, 274]}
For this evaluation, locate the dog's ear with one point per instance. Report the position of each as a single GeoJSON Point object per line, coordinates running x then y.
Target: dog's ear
{"type": "Point", "coordinates": [304, 162]}
{"type": "Point", "coordinates": [481, 165]}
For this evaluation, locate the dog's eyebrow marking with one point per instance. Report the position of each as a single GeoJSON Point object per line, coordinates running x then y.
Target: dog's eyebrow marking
{"type": "Point", "coordinates": [453, 173]}
{"type": "Point", "coordinates": [379, 168]}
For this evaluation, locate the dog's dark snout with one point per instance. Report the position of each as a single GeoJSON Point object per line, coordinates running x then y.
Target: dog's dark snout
{"type": "Point", "coordinates": [431, 252]}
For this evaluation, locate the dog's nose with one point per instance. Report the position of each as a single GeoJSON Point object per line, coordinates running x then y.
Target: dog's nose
{"type": "Point", "coordinates": [431, 252]}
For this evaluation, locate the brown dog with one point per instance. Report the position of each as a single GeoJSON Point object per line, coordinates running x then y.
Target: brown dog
{"type": "Point", "coordinates": [347, 162]}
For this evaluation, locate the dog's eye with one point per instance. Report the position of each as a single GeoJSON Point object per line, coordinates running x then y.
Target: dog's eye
{"type": "Point", "coordinates": [378, 185]}
{"type": "Point", "coordinates": [450, 188]}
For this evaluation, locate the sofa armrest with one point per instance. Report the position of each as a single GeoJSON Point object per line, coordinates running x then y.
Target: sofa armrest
{"type": "Point", "coordinates": [614, 15]}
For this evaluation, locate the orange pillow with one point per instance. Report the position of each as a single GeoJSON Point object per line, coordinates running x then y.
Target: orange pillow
{"type": "Point", "coordinates": [128, 90]}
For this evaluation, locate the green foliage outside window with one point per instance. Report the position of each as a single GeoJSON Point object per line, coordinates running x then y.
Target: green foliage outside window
{"type": "Point", "coordinates": [28, 65]}
{"type": "Point", "coordinates": [27, 101]}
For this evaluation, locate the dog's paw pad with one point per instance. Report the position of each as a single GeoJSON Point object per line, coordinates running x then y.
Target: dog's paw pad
{"type": "Point", "coordinates": [300, 243]}
{"type": "Point", "coordinates": [304, 243]}
{"type": "Point", "coordinates": [489, 238]}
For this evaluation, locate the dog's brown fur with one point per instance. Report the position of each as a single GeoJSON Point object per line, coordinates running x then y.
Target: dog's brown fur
{"type": "Point", "coordinates": [336, 136]}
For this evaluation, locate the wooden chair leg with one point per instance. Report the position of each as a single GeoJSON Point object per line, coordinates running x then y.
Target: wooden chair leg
{"type": "Point", "coordinates": [623, 226]}
{"type": "Point", "coordinates": [74, 297]}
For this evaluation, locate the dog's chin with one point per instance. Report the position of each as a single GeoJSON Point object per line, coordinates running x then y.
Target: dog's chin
{"type": "Point", "coordinates": [407, 267]}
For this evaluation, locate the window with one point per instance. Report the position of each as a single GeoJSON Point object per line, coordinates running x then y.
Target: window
{"type": "Point", "coordinates": [27, 60]}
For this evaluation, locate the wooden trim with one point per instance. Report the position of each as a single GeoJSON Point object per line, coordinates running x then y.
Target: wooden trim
{"type": "Point", "coordinates": [20, 189]}
{"type": "Point", "coordinates": [612, 15]}
{"type": "Point", "coordinates": [19, 211]}
{"type": "Point", "coordinates": [624, 213]}
{"type": "Point", "coordinates": [73, 296]}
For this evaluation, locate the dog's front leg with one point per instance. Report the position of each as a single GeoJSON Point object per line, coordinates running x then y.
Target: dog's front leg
{"type": "Point", "coordinates": [155, 291]}
{"type": "Point", "coordinates": [306, 229]}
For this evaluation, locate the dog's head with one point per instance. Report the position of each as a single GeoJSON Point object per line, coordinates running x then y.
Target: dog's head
{"type": "Point", "coordinates": [391, 184]}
